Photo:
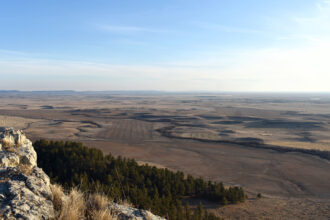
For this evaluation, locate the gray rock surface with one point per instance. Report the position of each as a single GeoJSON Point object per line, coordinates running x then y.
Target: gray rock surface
{"type": "Point", "coordinates": [128, 213]}
{"type": "Point", "coordinates": [24, 188]}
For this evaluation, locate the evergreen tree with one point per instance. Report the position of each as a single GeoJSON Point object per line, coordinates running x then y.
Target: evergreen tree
{"type": "Point", "coordinates": [160, 190]}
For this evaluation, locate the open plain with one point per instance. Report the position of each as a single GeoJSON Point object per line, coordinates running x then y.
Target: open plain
{"type": "Point", "coordinates": [274, 144]}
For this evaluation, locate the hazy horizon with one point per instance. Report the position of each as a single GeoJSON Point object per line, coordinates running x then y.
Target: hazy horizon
{"type": "Point", "coordinates": [174, 46]}
{"type": "Point", "coordinates": [174, 92]}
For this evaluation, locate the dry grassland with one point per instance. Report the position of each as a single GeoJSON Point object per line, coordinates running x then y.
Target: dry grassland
{"type": "Point", "coordinates": [265, 143]}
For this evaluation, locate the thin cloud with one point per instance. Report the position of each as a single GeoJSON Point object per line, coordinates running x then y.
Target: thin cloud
{"type": "Point", "coordinates": [128, 29]}
{"type": "Point", "coordinates": [319, 18]}
{"type": "Point", "coordinates": [273, 69]}
{"type": "Point", "coordinates": [229, 29]}
{"type": "Point", "coordinates": [303, 37]}
{"type": "Point", "coordinates": [11, 52]}
{"type": "Point", "coordinates": [324, 5]}
{"type": "Point", "coordinates": [311, 28]}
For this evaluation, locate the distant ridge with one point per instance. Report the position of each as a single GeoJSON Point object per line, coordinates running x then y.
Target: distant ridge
{"type": "Point", "coordinates": [164, 92]}
{"type": "Point", "coordinates": [8, 91]}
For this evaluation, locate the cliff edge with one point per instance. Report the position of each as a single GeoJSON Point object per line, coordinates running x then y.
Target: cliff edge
{"type": "Point", "coordinates": [25, 190]}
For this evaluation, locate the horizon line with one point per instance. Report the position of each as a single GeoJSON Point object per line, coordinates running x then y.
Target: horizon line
{"type": "Point", "coordinates": [165, 91]}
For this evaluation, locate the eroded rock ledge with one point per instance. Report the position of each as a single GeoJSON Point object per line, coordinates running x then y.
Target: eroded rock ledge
{"type": "Point", "coordinates": [25, 190]}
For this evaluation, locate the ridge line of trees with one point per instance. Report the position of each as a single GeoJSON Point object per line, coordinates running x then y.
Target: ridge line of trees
{"type": "Point", "coordinates": [162, 191]}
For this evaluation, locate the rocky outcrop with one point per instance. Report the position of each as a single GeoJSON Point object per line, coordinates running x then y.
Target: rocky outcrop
{"type": "Point", "coordinates": [25, 190]}
{"type": "Point", "coordinates": [128, 213]}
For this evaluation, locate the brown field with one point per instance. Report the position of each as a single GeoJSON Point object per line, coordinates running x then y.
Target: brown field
{"type": "Point", "coordinates": [274, 144]}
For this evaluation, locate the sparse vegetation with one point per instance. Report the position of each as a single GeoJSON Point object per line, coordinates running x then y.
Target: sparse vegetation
{"type": "Point", "coordinates": [8, 146]}
{"type": "Point", "coordinates": [73, 206]}
{"type": "Point", "coordinates": [97, 207]}
{"type": "Point", "coordinates": [159, 190]}
{"type": "Point", "coordinates": [25, 169]}
{"type": "Point", "coordinates": [57, 196]}
{"type": "Point", "coordinates": [259, 195]}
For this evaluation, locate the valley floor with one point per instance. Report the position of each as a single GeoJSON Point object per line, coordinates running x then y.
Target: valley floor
{"type": "Point", "coordinates": [294, 185]}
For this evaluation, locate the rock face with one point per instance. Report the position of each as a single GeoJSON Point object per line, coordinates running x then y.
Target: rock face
{"type": "Point", "coordinates": [128, 213]}
{"type": "Point", "coordinates": [24, 188]}
{"type": "Point", "coordinates": [25, 191]}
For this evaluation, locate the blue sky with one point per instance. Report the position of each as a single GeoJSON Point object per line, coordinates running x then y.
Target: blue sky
{"type": "Point", "coordinates": [175, 45]}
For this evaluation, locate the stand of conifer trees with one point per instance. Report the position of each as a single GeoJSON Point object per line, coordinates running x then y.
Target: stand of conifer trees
{"type": "Point", "coordinates": [159, 190]}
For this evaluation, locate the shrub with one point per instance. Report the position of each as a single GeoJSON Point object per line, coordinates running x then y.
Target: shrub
{"type": "Point", "coordinates": [259, 195]}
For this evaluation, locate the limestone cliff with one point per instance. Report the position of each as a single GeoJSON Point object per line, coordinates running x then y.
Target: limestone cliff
{"type": "Point", "coordinates": [25, 190]}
